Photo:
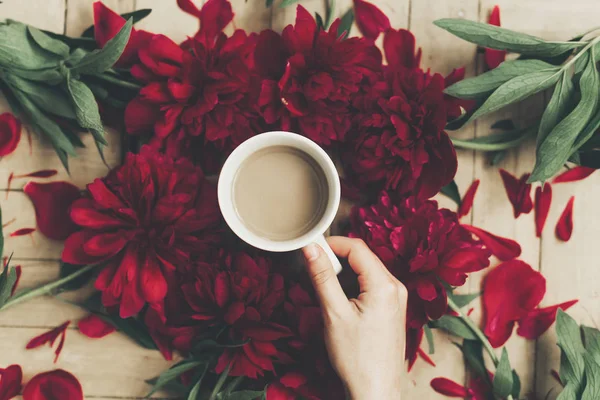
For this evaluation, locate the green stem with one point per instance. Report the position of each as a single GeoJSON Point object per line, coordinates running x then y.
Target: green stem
{"type": "Point", "coordinates": [473, 145]}
{"type": "Point", "coordinates": [119, 82]}
{"type": "Point", "coordinates": [219, 384]}
{"type": "Point", "coordinates": [47, 288]}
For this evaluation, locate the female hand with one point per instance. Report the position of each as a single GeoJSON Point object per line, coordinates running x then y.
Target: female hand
{"type": "Point", "coordinates": [365, 337]}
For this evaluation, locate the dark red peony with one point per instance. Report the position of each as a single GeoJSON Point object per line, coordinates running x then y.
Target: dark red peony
{"type": "Point", "coordinates": [197, 94]}
{"type": "Point", "coordinates": [398, 141]}
{"type": "Point", "coordinates": [308, 76]}
{"type": "Point", "coordinates": [423, 247]}
{"type": "Point", "coordinates": [144, 220]}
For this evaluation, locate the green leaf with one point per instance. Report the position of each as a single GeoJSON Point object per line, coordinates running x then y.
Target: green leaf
{"type": "Point", "coordinates": [504, 125]}
{"type": "Point", "coordinates": [86, 108]}
{"type": "Point", "coordinates": [554, 151]}
{"type": "Point", "coordinates": [100, 60]}
{"type": "Point", "coordinates": [503, 378]}
{"type": "Point", "coordinates": [462, 300]}
{"type": "Point", "coordinates": [50, 76]}
{"type": "Point", "coordinates": [495, 37]}
{"type": "Point", "coordinates": [429, 337]}
{"type": "Point", "coordinates": [269, 3]}
{"type": "Point", "coordinates": [591, 338]}
{"type": "Point", "coordinates": [517, 89]}
{"type": "Point", "coordinates": [173, 373]}
{"type": "Point", "coordinates": [557, 107]}
{"type": "Point", "coordinates": [1, 236]}
{"type": "Point", "coordinates": [67, 269]}
{"type": "Point", "coordinates": [136, 16]}
{"type": "Point", "coordinates": [591, 390]}
{"type": "Point", "coordinates": [193, 395]}
{"type": "Point", "coordinates": [244, 395]}
{"type": "Point", "coordinates": [47, 43]}
{"type": "Point", "coordinates": [516, 391]}
{"type": "Point", "coordinates": [320, 23]}
{"type": "Point", "coordinates": [588, 132]}
{"type": "Point", "coordinates": [451, 191]}
{"type": "Point", "coordinates": [346, 24]}
{"type": "Point", "coordinates": [497, 157]}
{"type": "Point", "coordinates": [8, 278]}
{"type": "Point", "coordinates": [19, 50]}
{"type": "Point", "coordinates": [286, 3]}
{"type": "Point", "coordinates": [51, 99]}
{"type": "Point", "coordinates": [571, 345]}
{"type": "Point", "coordinates": [473, 353]}
{"type": "Point", "coordinates": [453, 325]}
{"type": "Point", "coordinates": [483, 85]}
{"type": "Point", "coordinates": [568, 393]}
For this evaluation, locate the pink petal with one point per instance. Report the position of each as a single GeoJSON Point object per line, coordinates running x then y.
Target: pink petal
{"type": "Point", "coordinates": [574, 174]}
{"type": "Point", "coordinates": [503, 248]}
{"type": "Point", "coordinates": [564, 226]}
{"type": "Point", "coordinates": [449, 388]}
{"type": "Point", "coordinates": [52, 385]}
{"type": "Point", "coordinates": [543, 199]}
{"type": "Point", "coordinates": [95, 327]}
{"type": "Point", "coordinates": [536, 322]}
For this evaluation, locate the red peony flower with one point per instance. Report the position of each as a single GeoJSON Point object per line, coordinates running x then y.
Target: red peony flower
{"type": "Point", "coordinates": [10, 133]}
{"type": "Point", "coordinates": [53, 385]}
{"type": "Point", "coordinates": [423, 247]}
{"type": "Point", "coordinates": [243, 297]}
{"type": "Point", "coordinates": [145, 219]}
{"type": "Point", "coordinates": [398, 141]}
{"type": "Point", "coordinates": [308, 76]}
{"type": "Point", "coordinates": [107, 24]}
{"type": "Point", "coordinates": [10, 382]}
{"type": "Point", "coordinates": [196, 94]}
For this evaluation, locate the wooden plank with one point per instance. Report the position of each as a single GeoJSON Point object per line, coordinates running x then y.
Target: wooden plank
{"type": "Point", "coordinates": [109, 367]}
{"type": "Point", "coordinates": [80, 13]}
{"type": "Point", "coordinates": [44, 14]}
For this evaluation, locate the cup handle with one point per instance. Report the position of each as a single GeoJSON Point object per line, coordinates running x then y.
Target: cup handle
{"type": "Point", "coordinates": [337, 266]}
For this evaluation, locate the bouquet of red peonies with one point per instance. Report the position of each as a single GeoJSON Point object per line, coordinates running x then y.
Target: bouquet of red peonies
{"type": "Point", "coordinates": [246, 322]}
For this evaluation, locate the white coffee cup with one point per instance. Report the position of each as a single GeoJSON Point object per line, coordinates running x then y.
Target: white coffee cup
{"type": "Point", "coordinates": [227, 204]}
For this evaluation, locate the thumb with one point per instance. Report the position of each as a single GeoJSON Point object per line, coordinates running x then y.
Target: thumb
{"type": "Point", "coordinates": [324, 279]}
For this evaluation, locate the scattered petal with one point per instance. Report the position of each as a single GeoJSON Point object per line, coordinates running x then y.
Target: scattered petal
{"type": "Point", "coordinates": [564, 226]}
{"type": "Point", "coordinates": [467, 201]}
{"type": "Point", "coordinates": [503, 248]}
{"type": "Point", "coordinates": [536, 322]}
{"type": "Point", "coordinates": [52, 202]}
{"type": "Point", "coordinates": [18, 269]}
{"type": "Point", "coordinates": [10, 382]}
{"type": "Point", "coordinates": [95, 327]}
{"type": "Point", "coordinates": [449, 388]}
{"type": "Point", "coordinates": [10, 133]}
{"type": "Point", "coordinates": [543, 199]}
{"type": "Point", "coordinates": [50, 337]}
{"type": "Point", "coordinates": [470, 311]}
{"type": "Point", "coordinates": [518, 192]}
{"type": "Point", "coordinates": [425, 357]}
{"type": "Point", "coordinates": [10, 179]}
{"type": "Point", "coordinates": [510, 292]}
{"type": "Point", "coordinates": [22, 232]}
{"type": "Point", "coordinates": [494, 57]}
{"type": "Point", "coordinates": [43, 173]}
{"type": "Point", "coordinates": [574, 174]}
{"type": "Point", "coordinates": [370, 20]}
{"type": "Point", "coordinates": [555, 375]}
{"type": "Point", "coordinates": [53, 385]}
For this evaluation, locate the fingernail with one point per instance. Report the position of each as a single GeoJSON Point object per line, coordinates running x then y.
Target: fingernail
{"type": "Point", "coordinates": [311, 252]}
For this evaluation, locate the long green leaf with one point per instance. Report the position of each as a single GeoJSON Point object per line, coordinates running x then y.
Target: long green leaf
{"type": "Point", "coordinates": [482, 85]}
{"type": "Point", "coordinates": [193, 395]}
{"type": "Point", "coordinates": [453, 325]}
{"type": "Point", "coordinates": [19, 50]}
{"type": "Point", "coordinates": [591, 337]}
{"type": "Point", "coordinates": [503, 378]}
{"type": "Point", "coordinates": [49, 98]}
{"type": "Point", "coordinates": [462, 300]}
{"type": "Point", "coordinates": [555, 150]}
{"type": "Point", "coordinates": [588, 132]}
{"type": "Point", "coordinates": [286, 3]}
{"type": "Point", "coordinates": [473, 353]}
{"type": "Point", "coordinates": [100, 60]}
{"type": "Point", "coordinates": [568, 393]}
{"type": "Point", "coordinates": [47, 43]}
{"type": "Point", "coordinates": [571, 345]}
{"type": "Point", "coordinates": [8, 278]}
{"type": "Point", "coordinates": [557, 107]}
{"type": "Point", "coordinates": [173, 373]}
{"type": "Point", "coordinates": [346, 23]}
{"type": "Point", "coordinates": [495, 37]}
{"type": "Point", "coordinates": [592, 379]}
{"type": "Point", "coordinates": [451, 191]}
{"type": "Point", "coordinates": [86, 107]}
{"type": "Point", "coordinates": [429, 337]}
{"type": "Point", "coordinates": [245, 395]}
{"type": "Point", "coordinates": [517, 89]}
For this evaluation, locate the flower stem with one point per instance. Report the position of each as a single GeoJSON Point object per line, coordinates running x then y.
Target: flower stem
{"type": "Point", "coordinates": [119, 82]}
{"type": "Point", "coordinates": [475, 145]}
{"type": "Point", "coordinates": [47, 288]}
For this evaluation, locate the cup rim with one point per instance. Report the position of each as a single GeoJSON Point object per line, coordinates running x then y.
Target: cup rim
{"type": "Point", "coordinates": [261, 141]}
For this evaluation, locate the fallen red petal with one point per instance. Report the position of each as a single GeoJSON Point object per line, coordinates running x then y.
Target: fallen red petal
{"type": "Point", "coordinates": [449, 388]}
{"type": "Point", "coordinates": [43, 173]}
{"type": "Point", "coordinates": [10, 133]}
{"type": "Point", "coordinates": [510, 292]}
{"type": "Point", "coordinates": [536, 322]}
{"type": "Point", "coordinates": [14, 288]}
{"type": "Point", "coordinates": [50, 337]}
{"type": "Point", "coordinates": [370, 20]}
{"type": "Point", "coordinates": [518, 192]}
{"type": "Point", "coordinates": [52, 202]}
{"type": "Point", "coordinates": [10, 381]}
{"type": "Point", "coordinates": [574, 174]}
{"type": "Point", "coordinates": [425, 357]}
{"type": "Point", "coordinates": [564, 226]}
{"type": "Point", "coordinates": [543, 199]}
{"type": "Point", "coordinates": [95, 327]}
{"type": "Point", "coordinates": [555, 375]}
{"type": "Point", "coordinates": [470, 311]}
{"type": "Point", "coordinates": [8, 183]}
{"type": "Point", "coordinates": [22, 232]}
{"type": "Point", "coordinates": [467, 201]}
{"type": "Point", "coordinates": [53, 385]}
{"type": "Point", "coordinates": [503, 248]}
{"type": "Point", "coordinates": [494, 57]}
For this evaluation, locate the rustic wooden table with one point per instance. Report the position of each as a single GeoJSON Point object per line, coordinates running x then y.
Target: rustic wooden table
{"type": "Point", "coordinates": [115, 368]}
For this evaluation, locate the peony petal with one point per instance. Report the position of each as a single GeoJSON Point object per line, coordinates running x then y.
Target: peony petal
{"type": "Point", "coordinates": [50, 337]}
{"type": "Point", "coordinates": [234, 312]}
{"type": "Point", "coordinates": [10, 133]}
{"type": "Point", "coordinates": [426, 290]}
{"type": "Point", "coordinates": [574, 174]}
{"type": "Point", "coordinates": [105, 245]}
{"type": "Point", "coordinates": [84, 213]}
{"type": "Point", "coordinates": [543, 199]}
{"type": "Point", "coordinates": [449, 388]}
{"type": "Point", "coordinates": [518, 192]}
{"type": "Point", "coordinates": [494, 57]}
{"type": "Point", "coordinates": [399, 46]}
{"type": "Point", "coordinates": [10, 381]}
{"type": "Point", "coordinates": [140, 116]}
{"type": "Point", "coordinates": [53, 385]}
{"type": "Point", "coordinates": [95, 327]}
{"type": "Point", "coordinates": [52, 202]}
{"type": "Point", "coordinates": [503, 248]}
{"type": "Point", "coordinates": [18, 270]}
{"type": "Point", "coordinates": [152, 281]}
{"type": "Point", "coordinates": [43, 173]}
{"type": "Point", "coordinates": [73, 252]}
{"type": "Point", "coordinates": [214, 16]}
{"type": "Point", "coordinates": [22, 232]}
{"type": "Point", "coordinates": [564, 226]}
{"type": "Point", "coordinates": [536, 322]}
{"type": "Point", "coordinates": [467, 201]}
{"type": "Point", "coordinates": [425, 357]}
{"type": "Point", "coordinates": [370, 20]}
{"type": "Point", "coordinates": [510, 292]}
{"type": "Point", "coordinates": [413, 343]}
{"type": "Point", "coordinates": [189, 7]}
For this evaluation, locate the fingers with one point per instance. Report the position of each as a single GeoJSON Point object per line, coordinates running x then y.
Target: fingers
{"type": "Point", "coordinates": [324, 279]}
{"type": "Point", "coordinates": [371, 271]}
